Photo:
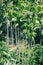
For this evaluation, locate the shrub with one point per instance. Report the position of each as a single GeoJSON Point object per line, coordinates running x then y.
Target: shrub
{"type": "Point", "coordinates": [36, 57]}
{"type": "Point", "coordinates": [21, 55]}
{"type": "Point", "coordinates": [5, 56]}
{"type": "Point", "coordinates": [3, 51]}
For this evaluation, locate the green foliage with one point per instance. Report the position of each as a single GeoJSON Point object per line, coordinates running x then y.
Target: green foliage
{"type": "Point", "coordinates": [28, 15]}
{"type": "Point", "coordinates": [21, 55]}
{"type": "Point", "coordinates": [36, 56]}
{"type": "Point", "coordinates": [26, 12]}
{"type": "Point", "coordinates": [3, 48]}
{"type": "Point", "coordinates": [5, 57]}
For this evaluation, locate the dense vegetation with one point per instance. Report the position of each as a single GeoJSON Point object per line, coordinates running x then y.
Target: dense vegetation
{"type": "Point", "coordinates": [28, 16]}
{"type": "Point", "coordinates": [36, 57]}
{"type": "Point", "coordinates": [21, 55]}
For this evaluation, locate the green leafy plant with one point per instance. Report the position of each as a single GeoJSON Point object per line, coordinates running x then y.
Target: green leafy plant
{"type": "Point", "coordinates": [5, 56]}
{"type": "Point", "coordinates": [36, 56]}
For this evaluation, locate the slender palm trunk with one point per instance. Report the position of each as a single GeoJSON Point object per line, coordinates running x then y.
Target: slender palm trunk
{"type": "Point", "coordinates": [12, 39]}
{"type": "Point", "coordinates": [7, 33]}
{"type": "Point", "coordinates": [16, 35]}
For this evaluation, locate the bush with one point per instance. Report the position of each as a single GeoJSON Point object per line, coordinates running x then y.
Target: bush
{"type": "Point", "coordinates": [5, 57]}
{"type": "Point", "coordinates": [36, 57]}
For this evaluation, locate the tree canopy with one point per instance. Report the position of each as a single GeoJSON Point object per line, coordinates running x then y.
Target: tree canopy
{"type": "Point", "coordinates": [28, 14]}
